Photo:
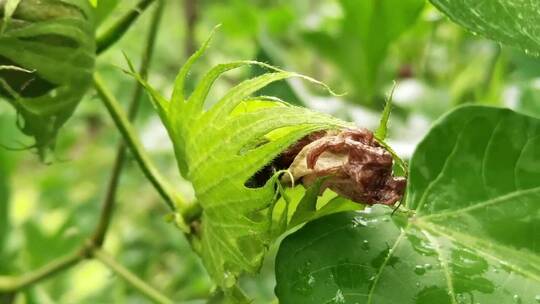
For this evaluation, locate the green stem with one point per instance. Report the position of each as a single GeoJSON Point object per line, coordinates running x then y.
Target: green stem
{"type": "Point", "coordinates": [119, 28]}
{"type": "Point", "coordinates": [122, 123]}
{"type": "Point", "coordinates": [129, 277]}
{"type": "Point", "coordinates": [10, 284]}
{"type": "Point", "coordinates": [110, 198]}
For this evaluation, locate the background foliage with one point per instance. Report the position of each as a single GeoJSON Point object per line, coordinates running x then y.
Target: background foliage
{"type": "Point", "coordinates": [46, 210]}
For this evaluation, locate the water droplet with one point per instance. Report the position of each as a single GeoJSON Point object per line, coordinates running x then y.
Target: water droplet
{"type": "Point", "coordinates": [537, 298]}
{"type": "Point", "coordinates": [417, 284]}
{"type": "Point", "coordinates": [304, 281]}
{"type": "Point", "coordinates": [422, 246]}
{"type": "Point", "coordinates": [229, 279]}
{"type": "Point", "coordinates": [419, 270]}
{"type": "Point", "coordinates": [359, 221]}
{"type": "Point", "coordinates": [461, 298]}
{"type": "Point", "coordinates": [516, 299]}
{"type": "Point", "coordinates": [365, 245]}
{"type": "Point", "coordinates": [339, 298]}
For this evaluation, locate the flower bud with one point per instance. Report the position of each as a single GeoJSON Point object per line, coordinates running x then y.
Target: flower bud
{"type": "Point", "coordinates": [47, 54]}
{"type": "Point", "coordinates": [352, 162]}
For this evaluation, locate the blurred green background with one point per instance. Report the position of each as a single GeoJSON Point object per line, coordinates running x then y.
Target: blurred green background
{"type": "Point", "coordinates": [363, 48]}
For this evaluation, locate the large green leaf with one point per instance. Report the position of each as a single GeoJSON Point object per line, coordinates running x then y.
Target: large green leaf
{"type": "Point", "coordinates": [47, 53]}
{"type": "Point", "coordinates": [469, 233]}
{"type": "Point", "coordinates": [366, 31]}
{"type": "Point", "coordinates": [220, 148]}
{"type": "Point", "coordinates": [516, 23]}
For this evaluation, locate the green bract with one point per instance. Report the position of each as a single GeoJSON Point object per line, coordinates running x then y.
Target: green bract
{"type": "Point", "coordinates": [47, 54]}
{"type": "Point", "coordinates": [469, 236]}
{"type": "Point", "coordinates": [218, 149]}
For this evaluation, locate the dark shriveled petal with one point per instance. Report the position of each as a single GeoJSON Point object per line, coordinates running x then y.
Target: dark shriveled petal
{"type": "Point", "coordinates": [355, 165]}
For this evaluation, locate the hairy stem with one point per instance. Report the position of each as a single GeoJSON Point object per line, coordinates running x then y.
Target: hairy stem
{"type": "Point", "coordinates": [129, 277]}
{"type": "Point", "coordinates": [110, 198]}
{"type": "Point", "coordinates": [119, 28]}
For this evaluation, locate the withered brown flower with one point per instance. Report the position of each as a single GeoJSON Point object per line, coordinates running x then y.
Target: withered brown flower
{"type": "Point", "coordinates": [353, 163]}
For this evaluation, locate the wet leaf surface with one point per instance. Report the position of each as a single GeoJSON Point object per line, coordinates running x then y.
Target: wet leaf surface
{"type": "Point", "coordinates": [470, 235]}
{"type": "Point", "coordinates": [512, 22]}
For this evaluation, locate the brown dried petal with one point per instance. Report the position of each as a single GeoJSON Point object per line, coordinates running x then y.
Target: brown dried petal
{"type": "Point", "coordinates": [355, 164]}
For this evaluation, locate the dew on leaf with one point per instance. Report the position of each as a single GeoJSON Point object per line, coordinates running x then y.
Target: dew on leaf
{"type": "Point", "coordinates": [359, 221]}
{"type": "Point", "coordinates": [365, 245]}
{"type": "Point", "coordinates": [339, 298]}
{"type": "Point", "coordinates": [419, 270]}
{"type": "Point", "coordinates": [461, 299]}
{"type": "Point", "coordinates": [229, 279]}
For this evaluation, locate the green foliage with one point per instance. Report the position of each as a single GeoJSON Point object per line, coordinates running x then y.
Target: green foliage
{"type": "Point", "coordinates": [312, 207]}
{"type": "Point", "coordinates": [104, 9]}
{"type": "Point", "coordinates": [221, 148]}
{"type": "Point", "coordinates": [516, 23]}
{"type": "Point", "coordinates": [361, 43]}
{"type": "Point", "coordinates": [47, 53]}
{"type": "Point", "coordinates": [359, 46]}
{"type": "Point", "coordinates": [472, 206]}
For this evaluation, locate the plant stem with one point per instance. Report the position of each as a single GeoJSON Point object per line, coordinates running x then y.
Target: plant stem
{"type": "Point", "coordinates": [190, 15]}
{"type": "Point", "coordinates": [129, 277]}
{"type": "Point", "coordinates": [124, 126]}
{"type": "Point", "coordinates": [119, 28]}
{"type": "Point", "coordinates": [9, 284]}
{"type": "Point", "coordinates": [110, 198]}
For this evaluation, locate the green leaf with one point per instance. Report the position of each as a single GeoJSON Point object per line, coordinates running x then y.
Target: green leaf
{"type": "Point", "coordinates": [468, 234]}
{"type": "Point", "coordinates": [361, 43]}
{"type": "Point", "coordinates": [516, 23]}
{"type": "Point", "coordinates": [220, 148]}
{"type": "Point", "coordinates": [9, 8]}
{"type": "Point", "coordinates": [49, 48]}
{"type": "Point", "coordinates": [104, 9]}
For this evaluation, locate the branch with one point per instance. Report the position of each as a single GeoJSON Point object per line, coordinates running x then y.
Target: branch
{"type": "Point", "coordinates": [122, 123]}
{"type": "Point", "coordinates": [119, 28]}
{"type": "Point", "coordinates": [10, 284]}
{"type": "Point", "coordinates": [190, 15]}
{"type": "Point", "coordinates": [110, 198]}
{"type": "Point", "coordinates": [129, 277]}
